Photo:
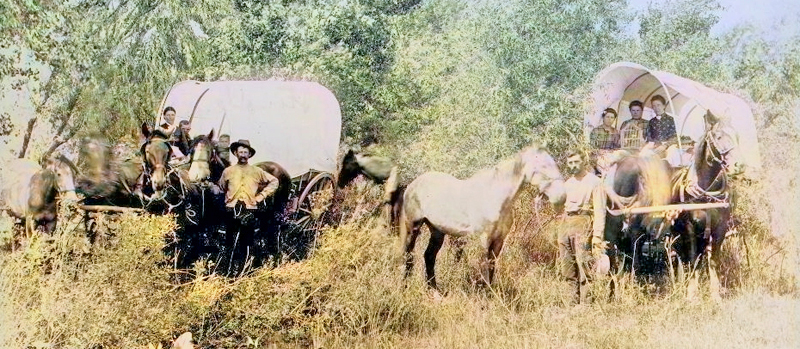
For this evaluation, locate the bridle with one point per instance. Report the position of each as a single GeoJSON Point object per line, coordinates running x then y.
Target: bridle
{"type": "Point", "coordinates": [146, 163]}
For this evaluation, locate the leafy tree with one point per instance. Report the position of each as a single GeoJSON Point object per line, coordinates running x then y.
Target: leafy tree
{"type": "Point", "coordinates": [99, 58]}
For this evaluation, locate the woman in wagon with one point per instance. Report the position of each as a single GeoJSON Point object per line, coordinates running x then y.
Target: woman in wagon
{"type": "Point", "coordinates": [632, 132]}
{"type": "Point", "coordinates": [661, 128]}
{"type": "Point", "coordinates": [606, 136]}
{"type": "Point", "coordinates": [241, 183]}
{"type": "Point", "coordinates": [170, 129]}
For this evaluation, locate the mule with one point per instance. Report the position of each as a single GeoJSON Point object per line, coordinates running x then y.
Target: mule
{"type": "Point", "coordinates": [205, 162]}
{"type": "Point", "coordinates": [480, 205]}
{"type": "Point", "coordinates": [31, 193]}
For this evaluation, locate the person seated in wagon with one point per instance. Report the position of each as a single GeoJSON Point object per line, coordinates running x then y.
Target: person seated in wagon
{"type": "Point", "coordinates": [662, 136]}
{"type": "Point", "coordinates": [632, 131]}
{"type": "Point", "coordinates": [606, 136]}
{"type": "Point", "coordinates": [171, 129]}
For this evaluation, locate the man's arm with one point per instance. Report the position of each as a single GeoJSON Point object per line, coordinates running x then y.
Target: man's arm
{"type": "Point", "coordinates": [270, 188]}
{"type": "Point", "coordinates": [223, 180]}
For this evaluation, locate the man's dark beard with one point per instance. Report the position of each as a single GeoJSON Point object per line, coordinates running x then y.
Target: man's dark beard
{"type": "Point", "coordinates": [573, 170]}
{"type": "Point", "coordinates": [242, 160]}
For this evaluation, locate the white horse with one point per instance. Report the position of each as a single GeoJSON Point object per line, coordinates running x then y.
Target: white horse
{"type": "Point", "coordinates": [481, 204]}
{"type": "Point", "coordinates": [30, 192]}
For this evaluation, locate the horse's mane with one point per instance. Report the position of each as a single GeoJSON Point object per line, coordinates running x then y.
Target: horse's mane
{"type": "Point", "coordinates": [655, 181]}
{"type": "Point", "coordinates": [511, 166]}
{"type": "Point", "coordinates": [157, 133]}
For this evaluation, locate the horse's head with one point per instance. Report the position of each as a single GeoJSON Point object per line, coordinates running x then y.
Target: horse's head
{"type": "Point", "coordinates": [156, 152]}
{"type": "Point", "coordinates": [721, 140]}
{"type": "Point", "coordinates": [203, 153]}
{"type": "Point", "coordinates": [348, 170]}
{"type": "Point", "coordinates": [540, 169]}
{"type": "Point", "coordinates": [64, 172]}
{"type": "Point", "coordinates": [94, 156]}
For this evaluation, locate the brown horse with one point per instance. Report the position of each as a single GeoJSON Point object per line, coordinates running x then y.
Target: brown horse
{"type": "Point", "coordinates": [480, 205]}
{"type": "Point", "coordinates": [205, 162]}
{"type": "Point", "coordinates": [702, 232]}
{"type": "Point", "coordinates": [104, 180]}
{"type": "Point", "coordinates": [30, 192]}
{"type": "Point", "coordinates": [156, 153]}
{"type": "Point", "coordinates": [637, 180]}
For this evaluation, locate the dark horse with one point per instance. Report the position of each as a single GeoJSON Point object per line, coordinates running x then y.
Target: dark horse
{"type": "Point", "coordinates": [702, 232]}
{"type": "Point", "coordinates": [381, 171]}
{"type": "Point", "coordinates": [156, 153]}
{"type": "Point", "coordinates": [204, 208]}
{"type": "Point", "coordinates": [105, 181]}
{"type": "Point", "coordinates": [639, 180]}
{"type": "Point", "coordinates": [30, 192]}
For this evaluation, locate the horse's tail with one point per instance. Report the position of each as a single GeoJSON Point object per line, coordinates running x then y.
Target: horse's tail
{"type": "Point", "coordinates": [396, 208]}
{"type": "Point", "coordinates": [399, 218]}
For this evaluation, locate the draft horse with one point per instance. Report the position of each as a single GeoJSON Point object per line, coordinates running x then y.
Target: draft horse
{"type": "Point", "coordinates": [480, 205]}
{"type": "Point", "coordinates": [31, 192]}
{"type": "Point", "coordinates": [702, 232]}
{"type": "Point", "coordinates": [637, 180]}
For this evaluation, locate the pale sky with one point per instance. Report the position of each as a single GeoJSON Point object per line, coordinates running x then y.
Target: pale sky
{"type": "Point", "coordinates": [763, 14]}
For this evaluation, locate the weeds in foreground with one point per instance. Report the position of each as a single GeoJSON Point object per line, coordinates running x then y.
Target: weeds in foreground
{"type": "Point", "coordinates": [350, 293]}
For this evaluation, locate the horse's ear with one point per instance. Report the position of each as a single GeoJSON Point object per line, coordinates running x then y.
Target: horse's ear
{"type": "Point", "coordinates": [145, 130]}
{"type": "Point", "coordinates": [211, 134]}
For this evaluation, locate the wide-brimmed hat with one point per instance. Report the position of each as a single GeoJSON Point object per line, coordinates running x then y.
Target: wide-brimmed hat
{"type": "Point", "coordinates": [242, 143]}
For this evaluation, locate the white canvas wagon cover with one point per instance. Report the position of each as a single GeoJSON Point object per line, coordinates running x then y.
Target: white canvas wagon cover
{"type": "Point", "coordinates": [296, 124]}
{"type": "Point", "coordinates": [687, 101]}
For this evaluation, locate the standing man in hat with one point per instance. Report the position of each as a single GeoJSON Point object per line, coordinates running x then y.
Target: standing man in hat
{"type": "Point", "coordinates": [241, 183]}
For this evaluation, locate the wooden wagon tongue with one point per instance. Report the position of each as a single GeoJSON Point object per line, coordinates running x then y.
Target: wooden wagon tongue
{"type": "Point", "coordinates": [676, 207]}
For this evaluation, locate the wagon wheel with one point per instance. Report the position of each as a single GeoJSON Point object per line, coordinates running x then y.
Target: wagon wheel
{"type": "Point", "coordinates": [313, 203]}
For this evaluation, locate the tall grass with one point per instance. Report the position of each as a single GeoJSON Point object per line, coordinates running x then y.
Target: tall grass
{"type": "Point", "coordinates": [351, 293]}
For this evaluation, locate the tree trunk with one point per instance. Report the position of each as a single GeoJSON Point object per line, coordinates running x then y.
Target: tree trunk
{"type": "Point", "coordinates": [28, 133]}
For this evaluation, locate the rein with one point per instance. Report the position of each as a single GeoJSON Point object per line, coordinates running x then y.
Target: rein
{"type": "Point", "coordinates": [710, 158]}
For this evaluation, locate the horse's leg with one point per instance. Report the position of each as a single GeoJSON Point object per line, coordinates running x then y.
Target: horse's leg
{"type": "Point", "coordinates": [495, 246]}
{"type": "Point", "coordinates": [437, 238]}
{"type": "Point", "coordinates": [718, 221]}
{"type": "Point", "coordinates": [389, 188]}
{"type": "Point", "coordinates": [408, 237]}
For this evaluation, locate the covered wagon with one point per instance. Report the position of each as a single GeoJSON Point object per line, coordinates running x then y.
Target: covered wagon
{"type": "Point", "coordinates": [296, 124]}
{"type": "Point", "coordinates": [699, 194]}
